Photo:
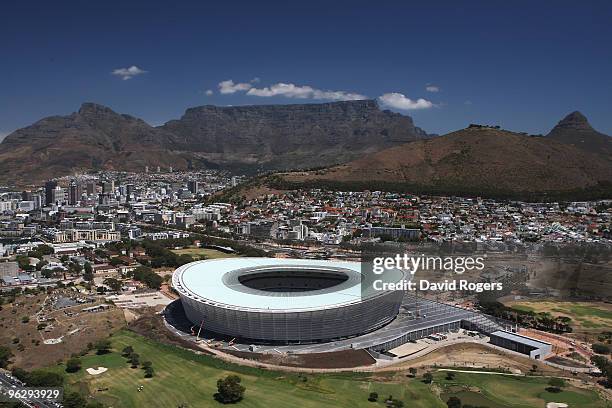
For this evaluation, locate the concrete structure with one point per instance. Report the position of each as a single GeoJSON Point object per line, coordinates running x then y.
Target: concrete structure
{"type": "Point", "coordinates": [284, 301]}
{"type": "Point", "coordinates": [533, 348]}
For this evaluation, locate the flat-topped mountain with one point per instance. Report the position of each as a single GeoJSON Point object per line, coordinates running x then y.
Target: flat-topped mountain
{"type": "Point", "coordinates": [243, 138]}
{"type": "Point", "coordinates": [576, 130]}
{"type": "Point", "coordinates": [290, 136]}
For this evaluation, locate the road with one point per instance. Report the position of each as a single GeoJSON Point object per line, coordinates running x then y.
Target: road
{"type": "Point", "coordinates": [6, 382]}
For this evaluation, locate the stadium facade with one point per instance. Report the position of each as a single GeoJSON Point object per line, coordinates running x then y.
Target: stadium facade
{"type": "Point", "coordinates": [284, 301]}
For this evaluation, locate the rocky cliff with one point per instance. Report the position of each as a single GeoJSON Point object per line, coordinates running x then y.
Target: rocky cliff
{"type": "Point", "coordinates": [290, 136]}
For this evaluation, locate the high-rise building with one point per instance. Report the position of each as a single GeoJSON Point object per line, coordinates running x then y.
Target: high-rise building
{"type": "Point", "coordinates": [108, 187]}
{"type": "Point", "coordinates": [91, 188]}
{"type": "Point", "coordinates": [37, 200]}
{"type": "Point", "coordinates": [57, 195]}
{"type": "Point", "coordinates": [129, 190]}
{"type": "Point", "coordinates": [193, 186]}
{"type": "Point", "coordinates": [49, 187]}
{"type": "Point", "coordinates": [73, 193]}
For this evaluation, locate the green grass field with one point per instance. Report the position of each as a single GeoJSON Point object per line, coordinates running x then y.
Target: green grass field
{"type": "Point", "coordinates": [183, 377]}
{"type": "Point", "coordinates": [500, 391]}
{"type": "Point", "coordinates": [585, 316]}
{"type": "Point", "coordinates": [203, 253]}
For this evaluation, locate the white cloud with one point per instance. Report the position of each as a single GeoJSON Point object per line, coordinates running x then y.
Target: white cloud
{"type": "Point", "coordinates": [209, 92]}
{"type": "Point", "coordinates": [303, 92]}
{"type": "Point", "coordinates": [229, 87]}
{"type": "Point", "coordinates": [128, 73]}
{"type": "Point", "coordinates": [432, 88]}
{"type": "Point", "coordinates": [400, 101]}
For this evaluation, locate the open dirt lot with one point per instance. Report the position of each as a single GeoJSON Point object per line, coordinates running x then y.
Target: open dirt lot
{"type": "Point", "coordinates": [473, 355]}
{"type": "Point", "coordinates": [19, 330]}
{"type": "Point", "coordinates": [338, 359]}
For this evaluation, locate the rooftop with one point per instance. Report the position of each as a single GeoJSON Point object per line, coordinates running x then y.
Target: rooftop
{"type": "Point", "coordinates": [219, 282]}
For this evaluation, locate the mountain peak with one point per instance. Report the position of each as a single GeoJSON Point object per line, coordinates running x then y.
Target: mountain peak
{"type": "Point", "coordinates": [576, 130]}
{"type": "Point", "coordinates": [88, 108]}
{"type": "Point", "coordinates": [575, 120]}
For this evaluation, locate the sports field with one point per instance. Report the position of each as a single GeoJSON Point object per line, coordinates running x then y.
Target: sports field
{"type": "Point", "coordinates": [203, 253]}
{"type": "Point", "coordinates": [182, 377]}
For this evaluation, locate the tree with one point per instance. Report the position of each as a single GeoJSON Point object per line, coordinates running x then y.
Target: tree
{"type": "Point", "coordinates": [427, 378]}
{"type": "Point", "coordinates": [116, 261]}
{"type": "Point", "coordinates": [127, 350]}
{"type": "Point", "coordinates": [450, 376]}
{"type": "Point", "coordinates": [134, 360]}
{"type": "Point", "coordinates": [5, 356]}
{"type": "Point", "coordinates": [113, 283]}
{"type": "Point", "coordinates": [600, 348]}
{"type": "Point", "coordinates": [45, 249]}
{"type": "Point", "coordinates": [453, 402]}
{"type": "Point", "coordinates": [147, 276]}
{"type": "Point", "coordinates": [229, 389]}
{"type": "Point", "coordinates": [103, 346]}
{"type": "Point", "coordinates": [24, 262]}
{"type": "Point", "coordinates": [149, 372]}
{"type": "Point", "coordinates": [74, 400]}
{"type": "Point", "coordinates": [38, 378]}
{"type": "Point", "coordinates": [555, 384]}
{"type": "Point", "coordinates": [88, 272]}
{"type": "Point", "coordinates": [76, 268]}
{"type": "Point", "coordinates": [73, 365]}
{"type": "Point", "coordinates": [413, 371]}
{"type": "Point", "coordinates": [146, 364]}
{"type": "Point", "coordinates": [373, 397]}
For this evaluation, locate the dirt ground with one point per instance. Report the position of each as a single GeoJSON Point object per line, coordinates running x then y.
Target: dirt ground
{"type": "Point", "coordinates": [473, 355]}
{"type": "Point", "coordinates": [150, 325]}
{"type": "Point", "coordinates": [338, 359]}
{"type": "Point", "coordinates": [76, 330]}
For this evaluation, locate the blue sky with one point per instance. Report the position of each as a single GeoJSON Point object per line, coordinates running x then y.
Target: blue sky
{"type": "Point", "coordinates": [522, 65]}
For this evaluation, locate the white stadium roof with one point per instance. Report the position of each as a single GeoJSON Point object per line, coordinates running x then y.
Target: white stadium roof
{"type": "Point", "coordinates": [215, 282]}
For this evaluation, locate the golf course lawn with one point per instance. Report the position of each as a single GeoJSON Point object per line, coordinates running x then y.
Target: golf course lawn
{"type": "Point", "coordinates": [203, 253]}
{"type": "Point", "coordinates": [183, 377]}
{"type": "Point", "coordinates": [499, 391]}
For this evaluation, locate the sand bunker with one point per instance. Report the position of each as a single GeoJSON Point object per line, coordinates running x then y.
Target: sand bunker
{"type": "Point", "coordinates": [96, 371]}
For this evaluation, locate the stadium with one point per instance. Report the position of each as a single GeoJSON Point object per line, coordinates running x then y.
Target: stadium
{"type": "Point", "coordinates": [285, 301]}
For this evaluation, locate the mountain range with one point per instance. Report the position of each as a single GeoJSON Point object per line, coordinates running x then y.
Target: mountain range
{"type": "Point", "coordinates": [244, 138]}
{"type": "Point", "coordinates": [481, 161]}
{"type": "Point", "coordinates": [353, 144]}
